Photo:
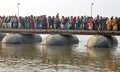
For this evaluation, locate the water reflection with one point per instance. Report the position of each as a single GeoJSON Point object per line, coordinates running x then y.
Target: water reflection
{"type": "Point", "coordinates": [18, 50]}
{"type": "Point", "coordinates": [37, 57]}
{"type": "Point", "coordinates": [101, 59]}
{"type": "Point", "coordinates": [99, 53]}
{"type": "Point", "coordinates": [56, 54]}
{"type": "Point", "coordinates": [65, 57]}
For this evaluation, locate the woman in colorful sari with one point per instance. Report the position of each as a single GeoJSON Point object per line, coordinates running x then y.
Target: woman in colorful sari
{"type": "Point", "coordinates": [52, 22]}
{"type": "Point", "coordinates": [74, 22]}
{"type": "Point", "coordinates": [42, 22]}
{"type": "Point", "coordinates": [78, 23]}
{"type": "Point", "coordinates": [38, 22]}
{"type": "Point", "coordinates": [32, 22]}
{"type": "Point", "coordinates": [115, 27]}
{"type": "Point", "coordinates": [26, 23]}
{"type": "Point", "coordinates": [110, 23]}
{"type": "Point", "coordinates": [84, 22]}
{"type": "Point", "coordinates": [118, 23]}
{"type": "Point", "coordinates": [67, 23]}
{"type": "Point", "coordinates": [90, 23]}
{"type": "Point", "coordinates": [71, 22]}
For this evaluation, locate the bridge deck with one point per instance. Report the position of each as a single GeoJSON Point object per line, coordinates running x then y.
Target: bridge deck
{"type": "Point", "coordinates": [53, 31]}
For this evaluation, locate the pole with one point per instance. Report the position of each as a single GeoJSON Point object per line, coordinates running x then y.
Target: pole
{"type": "Point", "coordinates": [18, 9]}
{"type": "Point", "coordinates": [91, 8]}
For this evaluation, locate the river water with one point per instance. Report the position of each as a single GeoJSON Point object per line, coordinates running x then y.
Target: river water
{"type": "Point", "coordinates": [76, 58]}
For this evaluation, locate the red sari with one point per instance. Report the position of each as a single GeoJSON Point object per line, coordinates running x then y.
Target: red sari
{"type": "Point", "coordinates": [90, 23]}
{"type": "Point", "coordinates": [74, 22]}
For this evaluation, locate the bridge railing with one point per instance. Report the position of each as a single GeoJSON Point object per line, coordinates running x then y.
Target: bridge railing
{"type": "Point", "coordinates": [59, 31]}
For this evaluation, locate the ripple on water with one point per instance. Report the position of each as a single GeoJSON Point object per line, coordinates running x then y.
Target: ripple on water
{"type": "Point", "coordinates": [37, 58]}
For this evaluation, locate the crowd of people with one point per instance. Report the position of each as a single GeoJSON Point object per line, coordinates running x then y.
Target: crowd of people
{"type": "Point", "coordinates": [55, 22]}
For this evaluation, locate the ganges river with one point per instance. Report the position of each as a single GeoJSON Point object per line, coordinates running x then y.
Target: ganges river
{"type": "Point", "coordinates": [75, 58]}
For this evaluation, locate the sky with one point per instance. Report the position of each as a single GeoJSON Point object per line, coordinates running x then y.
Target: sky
{"type": "Point", "coordinates": [63, 7]}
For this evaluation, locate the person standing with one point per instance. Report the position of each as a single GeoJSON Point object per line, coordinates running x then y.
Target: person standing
{"type": "Point", "coordinates": [74, 22]}
{"type": "Point", "coordinates": [84, 22]}
{"type": "Point", "coordinates": [110, 23]}
{"type": "Point", "coordinates": [104, 24]}
{"type": "Point", "coordinates": [26, 23]}
{"type": "Point", "coordinates": [71, 22]}
{"type": "Point", "coordinates": [52, 22]}
{"type": "Point", "coordinates": [32, 22]}
{"type": "Point", "coordinates": [57, 22]}
{"type": "Point", "coordinates": [90, 22]}
{"type": "Point", "coordinates": [14, 22]}
{"type": "Point", "coordinates": [21, 22]}
{"type": "Point", "coordinates": [49, 22]}
{"type": "Point", "coordinates": [118, 24]}
{"type": "Point", "coordinates": [97, 23]}
{"type": "Point", "coordinates": [66, 25]}
{"type": "Point", "coordinates": [45, 22]}
{"type": "Point", "coordinates": [62, 22]}
{"type": "Point", "coordinates": [115, 27]}
{"type": "Point", "coordinates": [78, 23]}
{"type": "Point", "coordinates": [101, 23]}
{"type": "Point", "coordinates": [1, 21]}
